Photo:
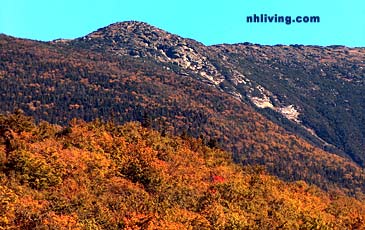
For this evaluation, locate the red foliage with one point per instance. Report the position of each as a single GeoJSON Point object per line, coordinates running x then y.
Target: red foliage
{"type": "Point", "coordinates": [217, 179]}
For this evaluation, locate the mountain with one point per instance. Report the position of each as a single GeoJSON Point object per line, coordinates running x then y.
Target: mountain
{"type": "Point", "coordinates": [314, 91]}
{"type": "Point", "coordinates": [105, 176]}
{"type": "Point", "coordinates": [269, 106]}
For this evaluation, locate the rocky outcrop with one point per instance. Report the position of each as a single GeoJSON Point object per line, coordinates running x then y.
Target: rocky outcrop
{"type": "Point", "coordinates": [139, 39]}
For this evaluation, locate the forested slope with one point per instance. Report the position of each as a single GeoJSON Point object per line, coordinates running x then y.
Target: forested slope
{"type": "Point", "coordinates": [100, 175]}
{"type": "Point", "coordinates": [59, 82]}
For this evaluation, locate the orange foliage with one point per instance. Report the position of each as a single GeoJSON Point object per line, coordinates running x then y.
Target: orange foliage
{"type": "Point", "coordinates": [103, 176]}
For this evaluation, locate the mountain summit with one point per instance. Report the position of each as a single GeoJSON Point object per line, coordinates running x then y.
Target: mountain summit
{"type": "Point", "coordinates": [139, 39]}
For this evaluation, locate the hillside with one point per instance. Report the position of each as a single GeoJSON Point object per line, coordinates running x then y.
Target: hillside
{"type": "Point", "coordinates": [313, 91]}
{"type": "Point", "coordinates": [135, 72]}
{"type": "Point", "coordinates": [103, 176]}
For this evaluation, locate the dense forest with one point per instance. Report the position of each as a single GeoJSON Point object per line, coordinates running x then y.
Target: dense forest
{"type": "Point", "coordinates": [56, 83]}
{"type": "Point", "coordinates": [100, 175]}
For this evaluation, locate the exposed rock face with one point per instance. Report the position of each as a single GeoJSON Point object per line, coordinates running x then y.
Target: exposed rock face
{"type": "Point", "coordinates": [262, 102]}
{"type": "Point", "coordinates": [142, 40]}
{"type": "Point", "coordinates": [290, 113]}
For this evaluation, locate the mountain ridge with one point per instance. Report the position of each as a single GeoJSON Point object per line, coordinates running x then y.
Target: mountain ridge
{"type": "Point", "coordinates": [216, 65]}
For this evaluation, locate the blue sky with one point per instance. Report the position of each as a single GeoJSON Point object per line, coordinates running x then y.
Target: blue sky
{"type": "Point", "coordinates": [210, 22]}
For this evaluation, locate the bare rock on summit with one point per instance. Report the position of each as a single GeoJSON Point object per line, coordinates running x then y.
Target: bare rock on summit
{"type": "Point", "coordinates": [140, 39]}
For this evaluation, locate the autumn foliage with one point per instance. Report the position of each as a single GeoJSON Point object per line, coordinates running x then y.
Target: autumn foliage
{"type": "Point", "coordinates": [102, 176]}
{"type": "Point", "coordinates": [60, 81]}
